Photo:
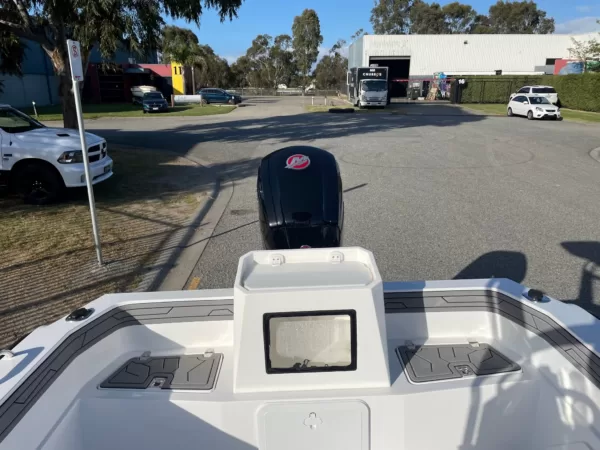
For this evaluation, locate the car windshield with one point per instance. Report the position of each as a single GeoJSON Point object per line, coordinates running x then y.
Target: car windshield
{"type": "Point", "coordinates": [374, 85]}
{"type": "Point", "coordinates": [539, 100]}
{"type": "Point", "coordinates": [153, 96]}
{"type": "Point", "coordinates": [13, 121]}
{"type": "Point", "coordinates": [544, 90]}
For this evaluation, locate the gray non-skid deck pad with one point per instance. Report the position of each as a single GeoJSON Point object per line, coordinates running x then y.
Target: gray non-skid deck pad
{"type": "Point", "coordinates": [167, 372]}
{"type": "Point", "coordinates": [444, 362]}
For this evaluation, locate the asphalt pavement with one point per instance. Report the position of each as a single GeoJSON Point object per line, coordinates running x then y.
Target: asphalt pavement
{"type": "Point", "coordinates": [433, 191]}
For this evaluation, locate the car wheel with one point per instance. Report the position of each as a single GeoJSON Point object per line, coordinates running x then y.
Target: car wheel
{"type": "Point", "coordinates": [529, 115]}
{"type": "Point", "coordinates": [509, 112]}
{"type": "Point", "coordinates": [38, 184]}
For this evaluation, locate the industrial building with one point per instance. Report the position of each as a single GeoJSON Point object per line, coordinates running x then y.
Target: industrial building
{"type": "Point", "coordinates": [422, 57]}
{"type": "Point", "coordinates": [105, 81]}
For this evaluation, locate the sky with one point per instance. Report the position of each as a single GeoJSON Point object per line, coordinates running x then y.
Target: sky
{"type": "Point", "coordinates": [339, 20]}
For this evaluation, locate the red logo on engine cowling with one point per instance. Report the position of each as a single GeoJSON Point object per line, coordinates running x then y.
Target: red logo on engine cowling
{"type": "Point", "coordinates": [297, 162]}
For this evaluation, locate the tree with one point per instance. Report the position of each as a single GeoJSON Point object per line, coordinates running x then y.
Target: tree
{"type": "Point", "coordinates": [307, 38]}
{"type": "Point", "coordinates": [181, 45]}
{"type": "Point", "coordinates": [358, 33]}
{"type": "Point", "coordinates": [427, 18]}
{"type": "Point", "coordinates": [481, 25]}
{"type": "Point", "coordinates": [105, 23]}
{"type": "Point", "coordinates": [584, 51]}
{"type": "Point", "coordinates": [391, 16]}
{"type": "Point", "coordinates": [459, 18]}
{"type": "Point", "coordinates": [330, 72]}
{"type": "Point", "coordinates": [213, 71]}
{"type": "Point", "coordinates": [282, 59]}
{"type": "Point", "coordinates": [519, 18]}
{"type": "Point", "coordinates": [11, 55]}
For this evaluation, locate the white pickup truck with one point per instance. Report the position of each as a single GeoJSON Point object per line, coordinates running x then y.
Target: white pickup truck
{"type": "Point", "coordinates": [39, 162]}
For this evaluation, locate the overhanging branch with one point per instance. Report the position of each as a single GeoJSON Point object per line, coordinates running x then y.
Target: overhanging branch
{"type": "Point", "coordinates": [20, 31]}
{"type": "Point", "coordinates": [23, 13]}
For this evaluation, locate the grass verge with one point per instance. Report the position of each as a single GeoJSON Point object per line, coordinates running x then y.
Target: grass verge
{"type": "Point", "coordinates": [93, 111]}
{"type": "Point", "coordinates": [47, 258]}
{"type": "Point", "coordinates": [568, 114]}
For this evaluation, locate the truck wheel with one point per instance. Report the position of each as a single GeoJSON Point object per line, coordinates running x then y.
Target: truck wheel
{"type": "Point", "coordinates": [38, 185]}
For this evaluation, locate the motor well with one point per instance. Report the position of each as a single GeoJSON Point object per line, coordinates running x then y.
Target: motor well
{"type": "Point", "coordinates": [300, 202]}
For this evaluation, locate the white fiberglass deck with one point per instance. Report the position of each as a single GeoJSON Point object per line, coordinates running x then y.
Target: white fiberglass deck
{"type": "Point", "coordinates": [548, 399]}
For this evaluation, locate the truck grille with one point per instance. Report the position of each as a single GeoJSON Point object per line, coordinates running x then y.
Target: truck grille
{"type": "Point", "coordinates": [97, 148]}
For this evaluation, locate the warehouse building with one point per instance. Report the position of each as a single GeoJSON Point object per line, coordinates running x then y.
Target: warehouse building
{"type": "Point", "coordinates": [421, 57]}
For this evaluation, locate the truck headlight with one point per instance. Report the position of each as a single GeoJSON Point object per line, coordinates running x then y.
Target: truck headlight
{"type": "Point", "coordinates": [363, 97]}
{"type": "Point", "coordinates": [71, 157]}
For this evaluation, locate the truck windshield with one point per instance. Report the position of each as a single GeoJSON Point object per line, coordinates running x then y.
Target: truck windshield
{"type": "Point", "coordinates": [153, 96]}
{"type": "Point", "coordinates": [13, 121]}
{"type": "Point", "coordinates": [374, 85]}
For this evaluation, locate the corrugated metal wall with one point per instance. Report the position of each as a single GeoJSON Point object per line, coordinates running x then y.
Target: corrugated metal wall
{"type": "Point", "coordinates": [355, 53]}
{"type": "Point", "coordinates": [20, 92]}
{"type": "Point", "coordinates": [464, 52]}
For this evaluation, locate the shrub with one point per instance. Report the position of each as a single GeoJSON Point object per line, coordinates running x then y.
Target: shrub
{"type": "Point", "coordinates": [575, 91]}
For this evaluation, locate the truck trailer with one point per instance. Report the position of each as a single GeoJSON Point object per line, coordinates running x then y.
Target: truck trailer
{"type": "Point", "coordinates": [368, 86]}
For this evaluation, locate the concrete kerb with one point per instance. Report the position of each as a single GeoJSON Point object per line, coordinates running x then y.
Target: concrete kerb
{"type": "Point", "coordinates": [595, 154]}
{"type": "Point", "coordinates": [177, 258]}
{"type": "Point", "coordinates": [192, 246]}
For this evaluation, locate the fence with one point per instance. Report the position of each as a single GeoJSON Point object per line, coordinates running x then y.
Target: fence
{"type": "Point", "coordinates": [257, 92]}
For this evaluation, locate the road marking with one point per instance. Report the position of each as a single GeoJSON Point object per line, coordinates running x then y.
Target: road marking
{"type": "Point", "coordinates": [194, 284]}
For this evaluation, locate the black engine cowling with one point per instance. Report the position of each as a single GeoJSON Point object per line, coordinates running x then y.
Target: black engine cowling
{"type": "Point", "coordinates": [300, 200]}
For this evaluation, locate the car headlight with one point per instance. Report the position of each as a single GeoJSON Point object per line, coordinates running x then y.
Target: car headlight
{"type": "Point", "coordinates": [537, 108]}
{"type": "Point", "coordinates": [71, 157]}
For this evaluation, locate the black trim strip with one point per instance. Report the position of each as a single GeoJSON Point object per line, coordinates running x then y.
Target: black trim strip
{"type": "Point", "coordinates": [25, 396]}
{"type": "Point", "coordinates": [587, 362]}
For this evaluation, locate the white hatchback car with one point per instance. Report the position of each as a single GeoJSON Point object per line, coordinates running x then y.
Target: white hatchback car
{"type": "Point", "coordinates": [545, 91]}
{"type": "Point", "coordinates": [533, 107]}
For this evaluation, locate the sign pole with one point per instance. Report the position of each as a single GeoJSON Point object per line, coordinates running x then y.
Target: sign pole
{"type": "Point", "coordinates": [76, 76]}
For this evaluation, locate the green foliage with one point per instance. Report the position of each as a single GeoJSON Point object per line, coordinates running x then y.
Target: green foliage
{"type": "Point", "coordinates": [391, 16]}
{"type": "Point", "coordinates": [330, 72]}
{"type": "Point", "coordinates": [306, 32]}
{"type": "Point", "coordinates": [180, 45]}
{"type": "Point", "coordinates": [420, 17]}
{"type": "Point", "coordinates": [519, 18]}
{"type": "Point", "coordinates": [427, 19]}
{"type": "Point", "coordinates": [105, 23]}
{"type": "Point", "coordinates": [11, 55]}
{"type": "Point", "coordinates": [574, 91]}
{"type": "Point", "coordinates": [459, 18]}
{"type": "Point", "coordinates": [267, 63]}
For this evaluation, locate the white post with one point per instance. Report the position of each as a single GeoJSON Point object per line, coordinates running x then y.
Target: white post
{"type": "Point", "coordinates": [312, 99]}
{"type": "Point", "coordinates": [76, 76]}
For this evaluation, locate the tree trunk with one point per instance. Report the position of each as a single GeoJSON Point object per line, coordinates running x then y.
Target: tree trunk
{"type": "Point", "coordinates": [60, 60]}
{"type": "Point", "coordinates": [68, 102]}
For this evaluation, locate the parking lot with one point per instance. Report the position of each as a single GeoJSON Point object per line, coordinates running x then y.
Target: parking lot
{"type": "Point", "coordinates": [435, 192]}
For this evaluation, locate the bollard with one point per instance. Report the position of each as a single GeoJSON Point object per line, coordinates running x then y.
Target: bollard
{"type": "Point", "coordinates": [35, 110]}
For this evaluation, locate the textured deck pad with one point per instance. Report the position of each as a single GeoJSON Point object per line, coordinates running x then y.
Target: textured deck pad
{"type": "Point", "coordinates": [171, 372]}
{"type": "Point", "coordinates": [444, 362]}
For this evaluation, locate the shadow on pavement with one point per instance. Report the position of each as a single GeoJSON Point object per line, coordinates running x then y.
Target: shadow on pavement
{"type": "Point", "coordinates": [299, 127]}
{"type": "Point", "coordinates": [589, 252]}
{"type": "Point", "coordinates": [496, 264]}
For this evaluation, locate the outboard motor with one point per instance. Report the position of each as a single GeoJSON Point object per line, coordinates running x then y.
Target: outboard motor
{"type": "Point", "coordinates": [300, 200]}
